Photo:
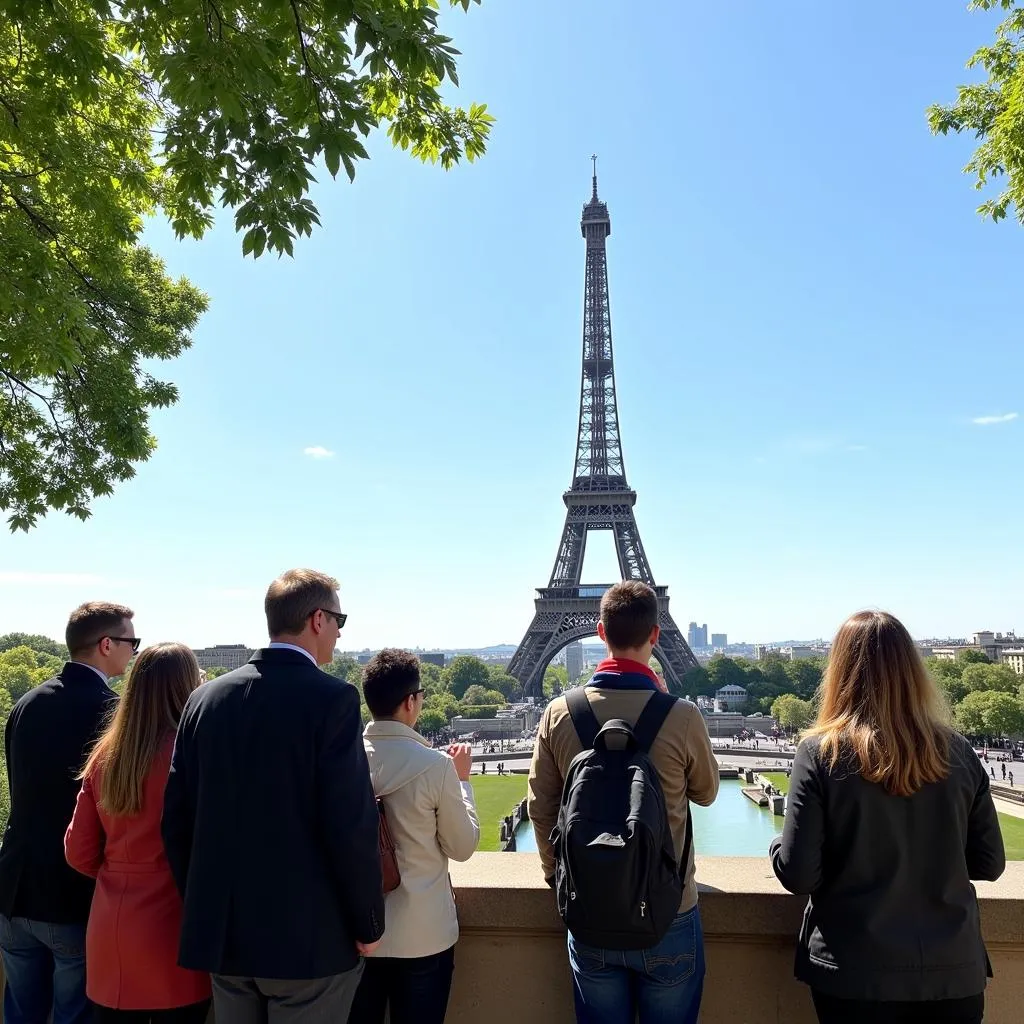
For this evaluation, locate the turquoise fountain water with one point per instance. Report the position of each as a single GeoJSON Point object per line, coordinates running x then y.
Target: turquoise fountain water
{"type": "Point", "coordinates": [732, 826]}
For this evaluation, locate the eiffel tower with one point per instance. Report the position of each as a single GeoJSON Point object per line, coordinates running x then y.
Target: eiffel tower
{"type": "Point", "coordinates": [599, 498]}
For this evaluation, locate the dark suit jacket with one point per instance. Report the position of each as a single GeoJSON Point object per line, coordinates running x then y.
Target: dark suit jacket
{"type": "Point", "coordinates": [48, 737]}
{"type": "Point", "coordinates": [270, 823]}
{"type": "Point", "coordinates": [892, 913]}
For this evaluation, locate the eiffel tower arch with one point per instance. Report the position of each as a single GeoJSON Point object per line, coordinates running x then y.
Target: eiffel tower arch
{"type": "Point", "coordinates": [598, 499]}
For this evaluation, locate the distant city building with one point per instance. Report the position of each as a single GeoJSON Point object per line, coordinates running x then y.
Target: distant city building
{"type": "Point", "coordinates": [574, 661]}
{"type": "Point", "coordinates": [730, 698]}
{"type": "Point", "coordinates": [992, 645]}
{"type": "Point", "coordinates": [433, 658]}
{"type": "Point", "coordinates": [719, 640]}
{"type": "Point", "coordinates": [697, 636]}
{"type": "Point", "coordinates": [364, 658]}
{"type": "Point", "coordinates": [799, 652]}
{"type": "Point", "coordinates": [229, 656]}
{"type": "Point", "coordinates": [1014, 657]}
{"type": "Point", "coordinates": [763, 651]}
{"type": "Point", "coordinates": [507, 728]}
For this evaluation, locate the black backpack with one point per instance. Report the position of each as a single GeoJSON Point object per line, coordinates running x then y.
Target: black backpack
{"type": "Point", "coordinates": [617, 879]}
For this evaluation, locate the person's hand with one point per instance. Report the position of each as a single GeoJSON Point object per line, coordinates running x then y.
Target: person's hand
{"type": "Point", "coordinates": [366, 948]}
{"type": "Point", "coordinates": [462, 755]}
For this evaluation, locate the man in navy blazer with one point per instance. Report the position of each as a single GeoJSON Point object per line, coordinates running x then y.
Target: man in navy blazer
{"type": "Point", "coordinates": [271, 826]}
{"type": "Point", "coordinates": [44, 904]}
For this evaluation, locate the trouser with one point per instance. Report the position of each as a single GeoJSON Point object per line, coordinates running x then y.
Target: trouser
{"type": "Point", "coordinates": [278, 1001]}
{"type": "Point", "coordinates": [44, 969]}
{"type": "Point", "coordinates": [661, 985]}
{"type": "Point", "coordinates": [832, 1010]}
{"type": "Point", "coordinates": [194, 1013]}
{"type": "Point", "coordinates": [413, 990]}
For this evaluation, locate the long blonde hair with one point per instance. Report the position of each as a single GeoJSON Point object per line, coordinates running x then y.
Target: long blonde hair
{"type": "Point", "coordinates": [154, 696]}
{"type": "Point", "coordinates": [878, 702]}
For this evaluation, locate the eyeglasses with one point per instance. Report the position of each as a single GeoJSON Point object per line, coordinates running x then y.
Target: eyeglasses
{"type": "Point", "coordinates": [135, 641]}
{"type": "Point", "coordinates": [339, 617]}
{"type": "Point", "coordinates": [416, 692]}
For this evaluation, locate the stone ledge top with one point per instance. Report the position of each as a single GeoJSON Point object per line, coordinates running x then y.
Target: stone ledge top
{"type": "Point", "coordinates": [740, 897]}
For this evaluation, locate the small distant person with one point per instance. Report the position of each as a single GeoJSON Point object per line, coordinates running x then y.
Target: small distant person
{"type": "Point", "coordinates": [1011, 779]}
{"type": "Point", "coordinates": [44, 903]}
{"type": "Point", "coordinates": [664, 982]}
{"type": "Point", "coordinates": [132, 971]}
{"type": "Point", "coordinates": [432, 816]}
{"type": "Point", "coordinates": [271, 826]}
{"type": "Point", "coordinates": [1002, 768]}
{"type": "Point", "coordinates": [889, 818]}
{"type": "Point", "coordinates": [992, 772]}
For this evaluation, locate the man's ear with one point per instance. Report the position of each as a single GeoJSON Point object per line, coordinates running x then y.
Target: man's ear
{"type": "Point", "coordinates": [600, 632]}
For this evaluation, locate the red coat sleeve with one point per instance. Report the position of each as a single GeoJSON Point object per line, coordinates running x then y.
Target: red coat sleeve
{"type": "Point", "coordinates": [85, 838]}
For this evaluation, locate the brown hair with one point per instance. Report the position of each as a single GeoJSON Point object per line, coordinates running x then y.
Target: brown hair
{"type": "Point", "coordinates": [878, 703]}
{"type": "Point", "coordinates": [294, 596]}
{"type": "Point", "coordinates": [92, 620]}
{"type": "Point", "coordinates": [629, 611]}
{"type": "Point", "coordinates": [148, 712]}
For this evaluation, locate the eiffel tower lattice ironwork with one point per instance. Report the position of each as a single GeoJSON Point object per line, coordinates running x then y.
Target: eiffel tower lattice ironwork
{"type": "Point", "coordinates": [599, 498]}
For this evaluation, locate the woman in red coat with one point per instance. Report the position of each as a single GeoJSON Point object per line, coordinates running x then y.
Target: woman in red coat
{"type": "Point", "coordinates": [131, 946]}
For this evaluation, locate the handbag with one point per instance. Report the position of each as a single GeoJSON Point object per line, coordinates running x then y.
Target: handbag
{"type": "Point", "coordinates": [391, 877]}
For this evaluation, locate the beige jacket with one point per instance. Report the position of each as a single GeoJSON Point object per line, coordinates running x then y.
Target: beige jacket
{"type": "Point", "coordinates": [681, 753]}
{"type": "Point", "coordinates": [432, 817]}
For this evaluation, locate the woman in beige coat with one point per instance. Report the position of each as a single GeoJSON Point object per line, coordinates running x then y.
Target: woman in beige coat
{"type": "Point", "coordinates": [432, 816]}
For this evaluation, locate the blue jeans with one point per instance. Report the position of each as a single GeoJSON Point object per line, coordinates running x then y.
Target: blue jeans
{"type": "Point", "coordinates": [44, 967]}
{"type": "Point", "coordinates": [663, 984]}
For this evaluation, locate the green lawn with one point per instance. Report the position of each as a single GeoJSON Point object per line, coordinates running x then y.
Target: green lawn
{"type": "Point", "coordinates": [496, 796]}
{"type": "Point", "coordinates": [1013, 836]}
{"type": "Point", "coordinates": [778, 779]}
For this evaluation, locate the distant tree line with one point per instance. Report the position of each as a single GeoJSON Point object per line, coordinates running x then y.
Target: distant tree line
{"type": "Point", "coordinates": [986, 700]}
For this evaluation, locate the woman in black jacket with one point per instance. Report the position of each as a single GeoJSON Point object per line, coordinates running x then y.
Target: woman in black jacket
{"type": "Point", "coordinates": [888, 819]}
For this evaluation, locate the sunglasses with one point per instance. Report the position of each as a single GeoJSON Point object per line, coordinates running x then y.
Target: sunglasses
{"type": "Point", "coordinates": [135, 641]}
{"type": "Point", "coordinates": [339, 617]}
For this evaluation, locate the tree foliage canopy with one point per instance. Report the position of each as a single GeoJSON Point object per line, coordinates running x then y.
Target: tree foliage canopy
{"type": "Point", "coordinates": [993, 111]}
{"type": "Point", "coordinates": [114, 111]}
{"type": "Point", "coordinates": [465, 670]}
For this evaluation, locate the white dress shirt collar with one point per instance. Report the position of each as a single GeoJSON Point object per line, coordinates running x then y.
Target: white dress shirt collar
{"type": "Point", "coordinates": [277, 645]}
{"type": "Point", "coordinates": [103, 675]}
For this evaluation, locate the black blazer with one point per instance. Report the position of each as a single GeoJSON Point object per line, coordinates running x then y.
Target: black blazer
{"type": "Point", "coordinates": [47, 740]}
{"type": "Point", "coordinates": [892, 913]}
{"type": "Point", "coordinates": [270, 823]}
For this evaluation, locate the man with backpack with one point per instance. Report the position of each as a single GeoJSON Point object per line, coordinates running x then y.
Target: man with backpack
{"type": "Point", "coordinates": [615, 766]}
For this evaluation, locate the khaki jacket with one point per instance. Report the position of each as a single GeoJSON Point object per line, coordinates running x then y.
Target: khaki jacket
{"type": "Point", "coordinates": [432, 817]}
{"type": "Point", "coordinates": [681, 753]}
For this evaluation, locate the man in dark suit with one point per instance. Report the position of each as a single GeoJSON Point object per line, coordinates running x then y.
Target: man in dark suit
{"type": "Point", "coordinates": [270, 823]}
{"type": "Point", "coordinates": [44, 904]}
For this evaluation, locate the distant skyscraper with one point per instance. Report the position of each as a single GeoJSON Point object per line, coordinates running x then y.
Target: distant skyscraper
{"type": "Point", "coordinates": [719, 640]}
{"type": "Point", "coordinates": [574, 660]}
{"type": "Point", "coordinates": [433, 658]}
{"type": "Point", "coordinates": [697, 636]}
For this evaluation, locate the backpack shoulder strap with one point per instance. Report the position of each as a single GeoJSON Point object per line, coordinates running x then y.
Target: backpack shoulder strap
{"type": "Point", "coordinates": [652, 718]}
{"type": "Point", "coordinates": [584, 720]}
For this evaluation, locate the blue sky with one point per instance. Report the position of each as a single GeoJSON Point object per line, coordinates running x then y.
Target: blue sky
{"type": "Point", "coordinates": [808, 319]}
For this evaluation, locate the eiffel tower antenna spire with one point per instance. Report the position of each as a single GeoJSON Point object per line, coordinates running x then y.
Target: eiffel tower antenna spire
{"type": "Point", "coordinates": [599, 498]}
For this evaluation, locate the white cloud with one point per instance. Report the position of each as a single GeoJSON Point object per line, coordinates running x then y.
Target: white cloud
{"type": "Point", "coordinates": [318, 452]}
{"type": "Point", "coordinates": [51, 579]}
{"type": "Point", "coordinates": [987, 421]}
